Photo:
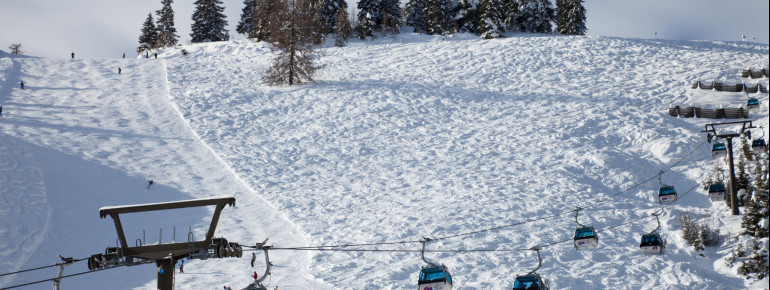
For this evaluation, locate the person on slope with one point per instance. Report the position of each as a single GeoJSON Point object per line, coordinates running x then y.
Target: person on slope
{"type": "Point", "coordinates": [22, 84]}
{"type": "Point", "coordinates": [73, 55]}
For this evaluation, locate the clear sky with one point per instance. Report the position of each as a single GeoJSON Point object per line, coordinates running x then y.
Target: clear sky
{"type": "Point", "coordinates": [108, 28]}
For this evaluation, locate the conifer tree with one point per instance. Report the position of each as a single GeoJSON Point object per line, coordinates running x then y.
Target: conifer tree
{"type": "Point", "coordinates": [415, 14]}
{"type": "Point", "coordinates": [466, 16]}
{"type": "Point", "coordinates": [372, 11]}
{"type": "Point", "coordinates": [511, 17]}
{"type": "Point", "coordinates": [149, 38]}
{"type": "Point", "coordinates": [570, 17]}
{"type": "Point", "coordinates": [366, 25]}
{"type": "Point", "coordinates": [490, 24]}
{"type": "Point", "coordinates": [262, 16]}
{"type": "Point", "coordinates": [291, 28]}
{"type": "Point", "coordinates": [437, 17]}
{"type": "Point", "coordinates": [209, 22]}
{"type": "Point", "coordinates": [247, 25]}
{"type": "Point", "coordinates": [330, 11]}
{"type": "Point", "coordinates": [166, 30]}
{"type": "Point", "coordinates": [342, 28]}
{"type": "Point", "coordinates": [535, 16]}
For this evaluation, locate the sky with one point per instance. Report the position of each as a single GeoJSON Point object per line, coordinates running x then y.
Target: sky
{"type": "Point", "coordinates": [109, 28]}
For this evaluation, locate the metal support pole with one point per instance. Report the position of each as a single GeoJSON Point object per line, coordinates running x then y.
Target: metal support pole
{"type": "Point", "coordinates": [733, 192]}
{"type": "Point", "coordinates": [166, 273]}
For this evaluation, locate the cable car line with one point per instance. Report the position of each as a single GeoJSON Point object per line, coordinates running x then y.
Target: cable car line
{"type": "Point", "coordinates": [62, 277]}
{"type": "Point", "coordinates": [513, 224]}
{"type": "Point", "coordinates": [42, 267]}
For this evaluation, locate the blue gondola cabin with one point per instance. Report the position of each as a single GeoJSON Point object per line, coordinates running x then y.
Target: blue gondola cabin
{"type": "Point", "coordinates": [667, 194]}
{"type": "Point", "coordinates": [752, 103]}
{"type": "Point", "coordinates": [434, 278]}
{"type": "Point", "coordinates": [717, 191]}
{"type": "Point", "coordinates": [586, 238]}
{"type": "Point", "coordinates": [758, 146]}
{"type": "Point", "coordinates": [718, 149]}
{"type": "Point", "coordinates": [530, 282]}
{"type": "Point", "coordinates": [652, 244]}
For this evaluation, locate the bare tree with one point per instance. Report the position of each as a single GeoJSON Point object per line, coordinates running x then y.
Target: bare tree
{"type": "Point", "coordinates": [292, 33]}
{"type": "Point", "coordinates": [16, 48]}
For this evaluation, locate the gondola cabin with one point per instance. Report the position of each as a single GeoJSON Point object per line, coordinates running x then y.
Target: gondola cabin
{"type": "Point", "coordinates": [434, 278]}
{"type": "Point", "coordinates": [586, 238]}
{"type": "Point", "coordinates": [652, 244]}
{"type": "Point", "coordinates": [752, 103]}
{"type": "Point", "coordinates": [758, 146]}
{"type": "Point", "coordinates": [667, 194]}
{"type": "Point", "coordinates": [530, 282]}
{"type": "Point", "coordinates": [718, 149]}
{"type": "Point", "coordinates": [717, 191]}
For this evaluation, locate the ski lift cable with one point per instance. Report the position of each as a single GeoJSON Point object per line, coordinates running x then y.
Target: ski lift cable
{"type": "Point", "coordinates": [62, 277]}
{"type": "Point", "coordinates": [450, 236]}
{"type": "Point", "coordinates": [42, 267]}
{"type": "Point", "coordinates": [327, 249]}
{"type": "Point", "coordinates": [517, 223]}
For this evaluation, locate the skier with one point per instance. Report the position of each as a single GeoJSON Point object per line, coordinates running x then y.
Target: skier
{"type": "Point", "coordinates": [181, 266]}
{"type": "Point", "coordinates": [146, 54]}
{"type": "Point", "coordinates": [150, 184]}
{"type": "Point", "coordinates": [255, 276]}
{"type": "Point", "coordinates": [124, 55]}
{"type": "Point", "coordinates": [22, 84]}
{"type": "Point", "coordinates": [253, 258]}
{"type": "Point", "coordinates": [119, 70]}
{"type": "Point", "coordinates": [156, 55]}
{"type": "Point", "coordinates": [73, 55]}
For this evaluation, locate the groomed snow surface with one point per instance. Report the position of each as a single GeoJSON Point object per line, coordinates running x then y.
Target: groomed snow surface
{"type": "Point", "coordinates": [400, 138]}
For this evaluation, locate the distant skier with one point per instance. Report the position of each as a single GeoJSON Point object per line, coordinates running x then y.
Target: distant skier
{"type": "Point", "coordinates": [255, 276]}
{"type": "Point", "coordinates": [156, 55]}
{"type": "Point", "coordinates": [119, 70]}
{"type": "Point", "coordinates": [22, 84]}
{"type": "Point", "coordinates": [73, 55]}
{"type": "Point", "coordinates": [124, 55]}
{"type": "Point", "coordinates": [146, 54]}
{"type": "Point", "coordinates": [181, 266]}
{"type": "Point", "coordinates": [149, 184]}
{"type": "Point", "coordinates": [253, 258]}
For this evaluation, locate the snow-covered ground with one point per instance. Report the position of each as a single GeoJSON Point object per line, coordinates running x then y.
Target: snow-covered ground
{"type": "Point", "coordinates": [398, 139]}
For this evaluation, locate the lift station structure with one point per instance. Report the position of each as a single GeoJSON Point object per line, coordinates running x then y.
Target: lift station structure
{"type": "Point", "coordinates": [165, 256]}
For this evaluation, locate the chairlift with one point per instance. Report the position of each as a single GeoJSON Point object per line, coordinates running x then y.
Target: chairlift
{"type": "Point", "coordinates": [532, 280]}
{"type": "Point", "coordinates": [718, 149]}
{"type": "Point", "coordinates": [717, 191]}
{"type": "Point", "coordinates": [652, 243]}
{"type": "Point", "coordinates": [752, 103]}
{"type": "Point", "coordinates": [433, 276]}
{"type": "Point", "coordinates": [758, 145]}
{"type": "Point", "coordinates": [585, 236]}
{"type": "Point", "coordinates": [666, 193]}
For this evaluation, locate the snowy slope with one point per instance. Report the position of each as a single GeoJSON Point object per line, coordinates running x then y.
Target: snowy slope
{"type": "Point", "coordinates": [399, 139]}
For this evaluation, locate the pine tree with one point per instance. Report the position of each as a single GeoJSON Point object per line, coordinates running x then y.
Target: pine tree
{"type": "Point", "coordinates": [536, 16]}
{"type": "Point", "coordinates": [366, 26]}
{"type": "Point", "coordinates": [570, 17]}
{"type": "Point", "coordinates": [209, 22]}
{"type": "Point", "coordinates": [247, 25]}
{"type": "Point", "coordinates": [438, 20]}
{"type": "Point", "coordinates": [292, 27]}
{"type": "Point", "coordinates": [415, 14]}
{"type": "Point", "coordinates": [466, 16]}
{"type": "Point", "coordinates": [755, 218]}
{"type": "Point", "coordinates": [166, 30]}
{"type": "Point", "coordinates": [392, 10]}
{"type": "Point", "coordinates": [149, 38]}
{"type": "Point", "coordinates": [511, 16]}
{"type": "Point", "coordinates": [490, 24]}
{"type": "Point", "coordinates": [262, 16]}
{"type": "Point", "coordinates": [342, 28]}
{"type": "Point", "coordinates": [371, 14]}
{"type": "Point", "coordinates": [330, 11]}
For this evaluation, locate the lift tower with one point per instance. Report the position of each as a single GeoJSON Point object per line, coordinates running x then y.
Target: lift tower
{"type": "Point", "coordinates": [728, 135]}
{"type": "Point", "coordinates": [165, 256]}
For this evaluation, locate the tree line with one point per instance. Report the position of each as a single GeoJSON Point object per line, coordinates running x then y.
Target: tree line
{"type": "Point", "coordinates": [294, 26]}
{"type": "Point", "coordinates": [486, 18]}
